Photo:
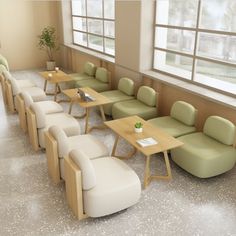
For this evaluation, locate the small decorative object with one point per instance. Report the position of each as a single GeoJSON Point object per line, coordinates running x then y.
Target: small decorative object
{"type": "Point", "coordinates": [49, 75]}
{"type": "Point", "coordinates": [48, 43]}
{"type": "Point", "coordinates": [138, 127]}
{"type": "Point", "coordinates": [56, 69]}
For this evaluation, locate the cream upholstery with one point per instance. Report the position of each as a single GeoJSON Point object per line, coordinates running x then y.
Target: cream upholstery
{"type": "Point", "coordinates": [109, 185]}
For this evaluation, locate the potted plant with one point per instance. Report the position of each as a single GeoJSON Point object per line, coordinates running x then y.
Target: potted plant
{"type": "Point", "coordinates": [48, 42]}
{"type": "Point", "coordinates": [138, 127]}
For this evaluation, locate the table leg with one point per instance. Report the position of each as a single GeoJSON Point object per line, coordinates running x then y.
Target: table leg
{"type": "Point", "coordinates": [147, 172]}
{"type": "Point", "coordinates": [70, 108]}
{"type": "Point", "coordinates": [87, 121]}
{"type": "Point", "coordinates": [113, 153]}
{"type": "Point", "coordinates": [45, 85]}
{"type": "Point", "coordinates": [55, 92]}
{"type": "Point", "coordinates": [168, 168]}
{"type": "Point", "coordinates": [102, 113]}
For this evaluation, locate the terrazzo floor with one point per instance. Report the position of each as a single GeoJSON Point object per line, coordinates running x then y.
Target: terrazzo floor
{"type": "Point", "coordinates": [30, 204]}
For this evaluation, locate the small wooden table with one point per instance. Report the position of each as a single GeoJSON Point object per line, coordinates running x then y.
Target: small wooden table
{"type": "Point", "coordinates": [124, 128]}
{"type": "Point", "coordinates": [57, 78]}
{"type": "Point", "coordinates": [99, 100]}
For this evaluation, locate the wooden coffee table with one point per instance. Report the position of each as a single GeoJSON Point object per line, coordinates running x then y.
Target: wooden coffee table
{"type": "Point", "coordinates": [124, 128]}
{"type": "Point", "coordinates": [99, 100]}
{"type": "Point", "coordinates": [56, 79]}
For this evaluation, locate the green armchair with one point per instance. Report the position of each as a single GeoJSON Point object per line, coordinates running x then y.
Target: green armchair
{"type": "Point", "coordinates": [100, 83]}
{"type": "Point", "coordinates": [144, 106]}
{"type": "Point", "coordinates": [208, 153]}
{"type": "Point", "coordinates": [3, 61]}
{"type": "Point", "coordinates": [180, 122]}
{"type": "Point", "coordinates": [124, 92]}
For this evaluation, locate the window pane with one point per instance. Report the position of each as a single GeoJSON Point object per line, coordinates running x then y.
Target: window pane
{"type": "Point", "coordinates": [216, 75]}
{"type": "Point", "coordinates": [78, 7]}
{"type": "Point", "coordinates": [173, 64]}
{"type": "Point", "coordinates": [109, 9]}
{"type": "Point", "coordinates": [179, 40]}
{"type": "Point", "coordinates": [94, 8]}
{"type": "Point", "coordinates": [218, 15]}
{"type": "Point", "coordinates": [80, 38]}
{"type": "Point", "coordinates": [109, 29]}
{"type": "Point", "coordinates": [95, 42]}
{"type": "Point", "coordinates": [221, 47]}
{"type": "Point", "coordinates": [177, 12]}
{"type": "Point", "coordinates": [79, 23]}
{"type": "Point", "coordinates": [110, 46]}
{"type": "Point", "coordinates": [95, 26]}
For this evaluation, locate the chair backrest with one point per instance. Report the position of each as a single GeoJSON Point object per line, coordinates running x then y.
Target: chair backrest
{"type": "Point", "coordinates": [3, 61]}
{"type": "Point", "coordinates": [39, 114]}
{"type": "Point", "coordinates": [62, 140]}
{"type": "Point", "coordinates": [28, 100]}
{"type": "Point", "coordinates": [184, 112]}
{"type": "Point", "coordinates": [126, 85]}
{"type": "Point", "coordinates": [86, 167]}
{"type": "Point", "coordinates": [102, 74]}
{"type": "Point", "coordinates": [147, 95]}
{"type": "Point", "coordinates": [15, 86]}
{"type": "Point", "coordinates": [2, 69]}
{"type": "Point", "coordinates": [89, 68]}
{"type": "Point", "coordinates": [220, 129]}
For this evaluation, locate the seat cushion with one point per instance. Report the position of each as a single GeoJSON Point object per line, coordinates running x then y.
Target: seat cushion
{"type": "Point", "coordinates": [114, 96]}
{"type": "Point", "coordinates": [117, 188]}
{"type": "Point", "coordinates": [26, 83]}
{"type": "Point", "coordinates": [65, 121]}
{"type": "Point", "coordinates": [80, 76]}
{"type": "Point", "coordinates": [203, 156]}
{"type": "Point", "coordinates": [133, 107]}
{"type": "Point", "coordinates": [94, 84]}
{"type": "Point", "coordinates": [49, 107]}
{"type": "Point", "coordinates": [171, 126]}
{"type": "Point", "coordinates": [36, 93]}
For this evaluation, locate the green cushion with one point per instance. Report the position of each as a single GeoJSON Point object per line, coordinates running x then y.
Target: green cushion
{"type": "Point", "coordinates": [203, 156]}
{"type": "Point", "coordinates": [133, 107]}
{"type": "Point", "coordinates": [2, 69]}
{"type": "Point", "coordinates": [126, 85]}
{"type": "Point", "coordinates": [184, 112]}
{"type": "Point", "coordinates": [114, 96]}
{"type": "Point", "coordinates": [171, 126]}
{"type": "Point", "coordinates": [3, 61]}
{"type": "Point", "coordinates": [147, 95]}
{"type": "Point", "coordinates": [80, 76]}
{"type": "Point", "coordinates": [94, 84]}
{"type": "Point", "coordinates": [102, 74]}
{"type": "Point", "coordinates": [89, 69]}
{"type": "Point", "coordinates": [220, 129]}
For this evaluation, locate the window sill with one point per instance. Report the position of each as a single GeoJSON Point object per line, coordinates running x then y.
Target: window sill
{"type": "Point", "coordinates": [91, 52]}
{"type": "Point", "coordinates": [208, 94]}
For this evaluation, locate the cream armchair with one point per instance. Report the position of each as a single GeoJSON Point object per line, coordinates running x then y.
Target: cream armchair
{"type": "Point", "coordinates": [99, 187]}
{"type": "Point", "coordinates": [24, 100]}
{"type": "Point", "coordinates": [38, 122]}
{"type": "Point", "coordinates": [59, 144]}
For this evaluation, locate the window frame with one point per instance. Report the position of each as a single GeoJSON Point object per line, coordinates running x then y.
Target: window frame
{"type": "Point", "coordinates": [87, 18]}
{"type": "Point", "coordinates": [194, 55]}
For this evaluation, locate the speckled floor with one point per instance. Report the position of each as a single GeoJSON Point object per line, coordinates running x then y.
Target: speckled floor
{"type": "Point", "coordinates": [31, 205]}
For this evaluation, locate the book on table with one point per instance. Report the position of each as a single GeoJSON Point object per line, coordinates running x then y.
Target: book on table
{"type": "Point", "coordinates": [146, 142]}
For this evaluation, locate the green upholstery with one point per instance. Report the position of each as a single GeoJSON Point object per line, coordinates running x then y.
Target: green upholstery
{"type": "Point", "coordinates": [115, 96]}
{"type": "Point", "coordinates": [2, 69]}
{"type": "Point", "coordinates": [126, 85]}
{"type": "Point", "coordinates": [184, 112]}
{"type": "Point", "coordinates": [172, 126]}
{"type": "Point", "coordinates": [80, 76]}
{"type": "Point", "coordinates": [133, 107]}
{"type": "Point", "coordinates": [203, 156]}
{"type": "Point", "coordinates": [89, 69]}
{"type": "Point", "coordinates": [220, 129]}
{"type": "Point", "coordinates": [3, 61]}
{"type": "Point", "coordinates": [125, 92]}
{"type": "Point", "coordinates": [94, 84]}
{"type": "Point", "coordinates": [102, 75]}
{"type": "Point", "coordinates": [147, 95]}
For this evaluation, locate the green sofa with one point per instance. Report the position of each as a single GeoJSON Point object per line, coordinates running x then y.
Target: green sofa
{"type": "Point", "coordinates": [100, 83]}
{"type": "Point", "coordinates": [208, 153]}
{"type": "Point", "coordinates": [180, 122]}
{"type": "Point", "coordinates": [144, 106]}
{"type": "Point", "coordinates": [124, 92]}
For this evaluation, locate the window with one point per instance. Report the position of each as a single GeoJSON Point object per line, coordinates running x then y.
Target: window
{"type": "Point", "coordinates": [196, 40]}
{"type": "Point", "coordinates": [93, 24]}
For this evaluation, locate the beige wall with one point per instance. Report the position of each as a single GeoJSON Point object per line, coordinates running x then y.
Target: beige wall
{"type": "Point", "coordinates": [20, 23]}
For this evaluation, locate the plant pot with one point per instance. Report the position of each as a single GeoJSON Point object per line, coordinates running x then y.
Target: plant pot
{"type": "Point", "coordinates": [51, 65]}
{"type": "Point", "coordinates": [138, 130]}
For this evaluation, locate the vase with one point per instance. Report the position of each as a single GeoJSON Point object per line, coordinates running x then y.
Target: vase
{"type": "Point", "coordinates": [138, 130]}
{"type": "Point", "coordinates": [51, 65]}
